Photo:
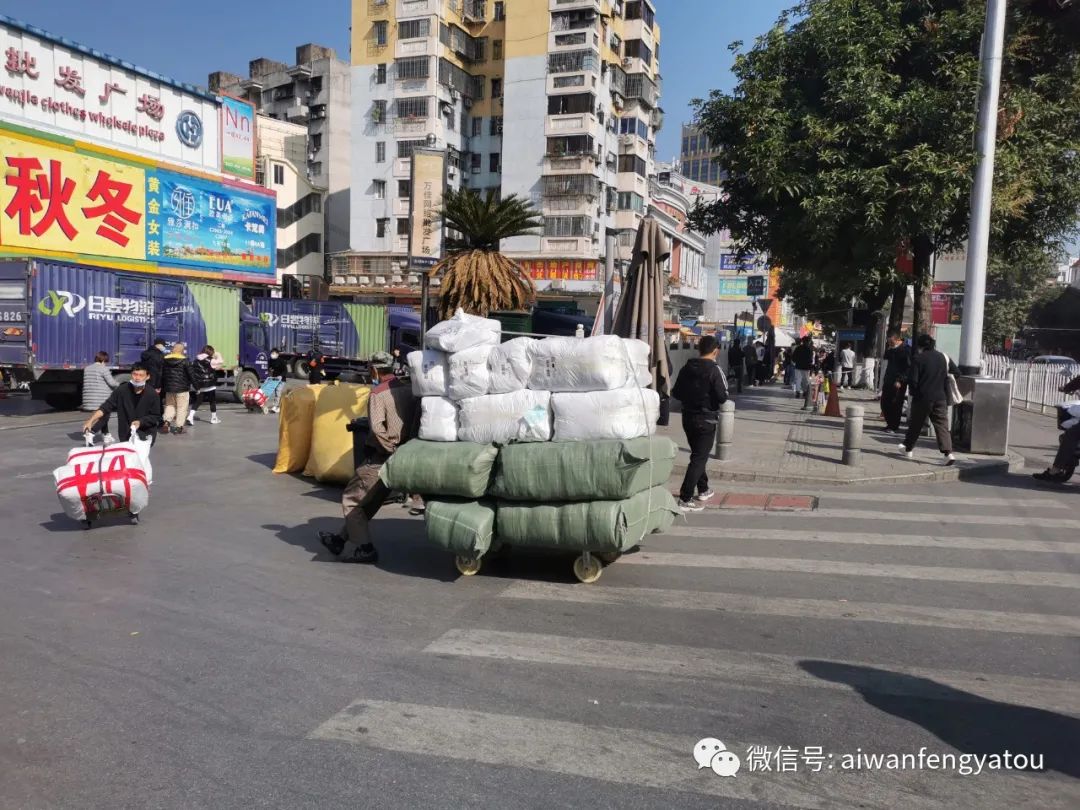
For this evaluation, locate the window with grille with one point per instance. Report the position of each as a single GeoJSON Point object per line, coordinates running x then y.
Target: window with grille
{"type": "Point", "coordinates": [496, 49]}
{"type": "Point", "coordinates": [574, 103]}
{"type": "Point", "coordinates": [475, 162]}
{"type": "Point", "coordinates": [635, 48]}
{"type": "Point", "coordinates": [571, 185]}
{"type": "Point", "coordinates": [403, 227]}
{"type": "Point", "coordinates": [406, 148]}
{"type": "Point", "coordinates": [573, 62]}
{"type": "Point", "coordinates": [638, 10]}
{"type": "Point", "coordinates": [380, 74]}
{"type": "Point", "coordinates": [567, 226]}
{"type": "Point", "coordinates": [414, 29]}
{"type": "Point", "coordinates": [477, 126]}
{"type": "Point", "coordinates": [380, 151]}
{"type": "Point", "coordinates": [563, 40]}
{"type": "Point", "coordinates": [380, 32]}
{"type": "Point", "coordinates": [632, 163]}
{"type": "Point", "coordinates": [570, 145]}
{"type": "Point", "coordinates": [500, 11]}
{"type": "Point", "coordinates": [378, 111]}
{"type": "Point", "coordinates": [629, 201]}
{"type": "Point", "coordinates": [380, 228]}
{"type": "Point", "coordinates": [412, 67]}
{"type": "Point", "coordinates": [412, 107]}
{"type": "Point", "coordinates": [378, 188]}
{"type": "Point", "coordinates": [577, 80]}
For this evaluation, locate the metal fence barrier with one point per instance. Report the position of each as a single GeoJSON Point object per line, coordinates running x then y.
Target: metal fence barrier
{"type": "Point", "coordinates": [1034, 385]}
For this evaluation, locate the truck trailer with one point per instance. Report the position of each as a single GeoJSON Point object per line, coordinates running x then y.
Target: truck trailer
{"type": "Point", "coordinates": [55, 316]}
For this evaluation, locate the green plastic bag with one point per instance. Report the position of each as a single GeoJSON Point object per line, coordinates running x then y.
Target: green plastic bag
{"type": "Point", "coordinates": [464, 528]}
{"type": "Point", "coordinates": [603, 470]}
{"type": "Point", "coordinates": [596, 526]}
{"type": "Point", "coordinates": [447, 469]}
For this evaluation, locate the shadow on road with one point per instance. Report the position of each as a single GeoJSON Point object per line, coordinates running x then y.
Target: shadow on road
{"type": "Point", "coordinates": [264, 459]}
{"type": "Point", "coordinates": [965, 721]}
{"type": "Point", "coordinates": [61, 523]}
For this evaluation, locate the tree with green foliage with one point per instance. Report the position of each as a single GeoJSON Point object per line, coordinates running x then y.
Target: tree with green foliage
{"type": "Point", "coordinates": [851, 133]}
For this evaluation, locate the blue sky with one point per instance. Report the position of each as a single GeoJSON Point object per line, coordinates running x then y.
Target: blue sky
{"type": "Point", "coordinates": [190, 39]}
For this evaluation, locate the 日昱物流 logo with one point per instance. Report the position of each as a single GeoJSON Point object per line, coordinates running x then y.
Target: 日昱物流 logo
{"type": "Point", "coordinates": [57, 301]}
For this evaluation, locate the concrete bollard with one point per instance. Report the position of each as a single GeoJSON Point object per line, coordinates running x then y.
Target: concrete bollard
{"type": "Point", "coordinates": [725, 431]}
{"type": "Point", "coordinates": [853, 427]}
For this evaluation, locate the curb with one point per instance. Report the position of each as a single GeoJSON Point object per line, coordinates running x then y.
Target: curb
{"type": "Point", "coordinates": [1014, 462]}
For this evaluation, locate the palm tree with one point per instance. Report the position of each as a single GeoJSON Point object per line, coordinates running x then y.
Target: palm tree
{"type": "Point", "coordinates": [476, 276]}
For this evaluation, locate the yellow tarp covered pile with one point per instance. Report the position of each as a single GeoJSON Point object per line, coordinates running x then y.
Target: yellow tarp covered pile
{"type": "Point", "coordinates": [312, 435]}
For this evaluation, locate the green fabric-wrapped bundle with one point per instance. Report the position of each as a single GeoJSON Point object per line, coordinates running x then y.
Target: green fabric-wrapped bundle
{"type": "Point", "coordinates": [464, 528]}
{"type": "Point", "coordinates": [604, 470]}
{"type": "Point", "coordinates": [596, 526]}
{"type": "Point", "coordinates": [446, 469]}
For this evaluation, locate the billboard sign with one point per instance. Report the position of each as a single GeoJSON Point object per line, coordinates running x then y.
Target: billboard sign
{"type": "Point", "coordinates": [237, 138]}
{"type": "Point", "coordinates": [732, 261]}
{"type": "Point", "coordinates": [425, 231]}
{"type": "Point", "coordinates": [71, 201]}
{"type": "Point", "coordinates": [51, 84]}
{"type": "Point", "coordinates": [732, 288]}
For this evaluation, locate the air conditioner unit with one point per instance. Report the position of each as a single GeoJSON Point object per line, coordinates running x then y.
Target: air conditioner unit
{"type": "Point", "coordinates": [627, 61]}
{"type": "Point", "coordinates": [454, 95]}
{"type": "Point", "coordinates": [558, 284]}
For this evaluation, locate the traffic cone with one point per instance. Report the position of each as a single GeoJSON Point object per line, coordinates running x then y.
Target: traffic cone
{"type": "Point", "coordinates": [832, 406]}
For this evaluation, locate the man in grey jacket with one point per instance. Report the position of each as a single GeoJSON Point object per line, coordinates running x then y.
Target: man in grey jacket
{"type": "Point", "coordinates": [98, 384]}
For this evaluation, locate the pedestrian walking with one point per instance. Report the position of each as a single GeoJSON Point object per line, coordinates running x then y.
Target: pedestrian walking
{"type": "Point", "coordinates": [897, 359]}
{"type": "Point", "coordinates": [702, 389]}
{"type": "Point", "coordinates": [802, 359]}
{"type": "Point", "coordinates": [763, 366]}
{"type": "Point", "coordinates": [177, 381]}
{"type": "Point", "coordinates": [205, 382]}
{"type": "Point", "coordinates": [277, 370]}
{"type": "Point", "coordinates": [736, 358]}
{"type": "Point", "coordinates": [136, 405]}
{"type": "Point", "coordinates": [847, 366]}
{"type": "Point", "coordinates": [153, 360]}
{"type": "Point", "coordinates": [98, 385]}
{"type": "Point", "coordinates": [927, 378]}
{"type": "Point", "coordinates": [393, 411]}
{"type": "Point", "coordinates": [316, 372]}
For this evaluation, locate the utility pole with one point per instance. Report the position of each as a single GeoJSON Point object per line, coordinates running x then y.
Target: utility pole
{"type": "Point", "coordinates": [993, 46]}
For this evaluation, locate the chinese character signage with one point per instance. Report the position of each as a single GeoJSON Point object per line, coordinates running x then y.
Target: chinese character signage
{"type": "Point", "coordinates": [560, 269]}
{"type": "Point", "coordinates": [59, 199]}
{"type": "Point", "coordinates": [425, 234]}
{"type": "Point", "coordinates": [237, 138]}
{"type": "Point", "coordinates": [45, 84]}
{"type": "Point", "coordinates": [730, 261]}
{"type": "Point", "coordinates": [732, 288]}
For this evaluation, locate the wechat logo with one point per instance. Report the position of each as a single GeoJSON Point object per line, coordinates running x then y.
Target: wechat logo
{"type": "Point", "coordinates": [711, 753]}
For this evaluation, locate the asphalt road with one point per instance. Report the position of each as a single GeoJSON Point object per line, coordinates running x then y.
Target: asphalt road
{"type": "Point", "coordinates": [213, 657]}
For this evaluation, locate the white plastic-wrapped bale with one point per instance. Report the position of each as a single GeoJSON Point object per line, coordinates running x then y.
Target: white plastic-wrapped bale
{"type": "Point", "coordinates": [97, 480]}
{"type": "Point", "coordinates": [639, 356]}
{"type": "Point", "coordinates": [438, 419]}
{"type": "Point", "coordinates": [510, 365]}
{"type": "Point", "coordinates": [564, 364]}
{"type": "Point", "coordinates": [469, 374]}
{"type": "Point", "coordinates": [520, 416]}
{"type": "Point", "coordinates": [624, 413]}
{"type": "Point", "coordinates": [429, 371]}
{"type": "Point", "coordinates": [463, 331]}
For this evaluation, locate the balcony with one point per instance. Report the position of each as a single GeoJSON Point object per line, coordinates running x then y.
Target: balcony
{"type": "Point", "coordinates": [570, 5]}
{"type": "Point", "coordinates": [573, 164]}
{"type": "Point", "coordinates": [416, 8]}
{"type": "Point", "coordinates": [414, 47]}
{"type": "Point", "coordinates": [572, 124]}
{"type": "Point", "coordinates": [571, 185]}
{"type": "Point", "coordinates": [474, 11]}
{"type": "Point", "coordinates": [297, 113]}
{"type": "Point", "coordinates": [643, 89]}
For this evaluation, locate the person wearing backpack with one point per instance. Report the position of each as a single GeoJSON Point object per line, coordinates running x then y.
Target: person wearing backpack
{"type": "Point", "coordinates": [928, 380]}
{"type": "Point", "coordinates": [205, 382]}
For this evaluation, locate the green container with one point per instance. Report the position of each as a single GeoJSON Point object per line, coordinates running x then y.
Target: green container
{"type": "Point", "coordinates": [464, 528]}
{"type": "Point", "coordinates": [606, 470]}
{"type": "Point", "coordinates": [220, 309]}
{"type": "Point", "coordinates": [595, 526]}
{"type": "Point", "coordinates": [520, 322]}
{"type": "Point", "coordinates": [372, 323]}
{"type": "Point", "coordinates": [444, 469]}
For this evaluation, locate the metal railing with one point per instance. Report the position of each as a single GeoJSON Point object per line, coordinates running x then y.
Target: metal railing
{"type": "Point", "coordinates": [1034, 385]}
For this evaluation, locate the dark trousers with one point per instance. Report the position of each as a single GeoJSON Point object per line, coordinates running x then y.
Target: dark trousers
{"type": "Point", "coordinates": [363, 497]}
{"type": "Point", "coordinates": [938, 413]}
{"type": "Point", "coordinates": [209, 397]}
{"type": "Point", "coordinates": [700, 435]}
{"type": "Point", "coordinates": [892, 403]}
{"type": "Point", "coordinates": [1066, 454]}
{"type": "Point", "coordinates": [101, 425]}
{"type": "Point", "coordinates": [846, 377]}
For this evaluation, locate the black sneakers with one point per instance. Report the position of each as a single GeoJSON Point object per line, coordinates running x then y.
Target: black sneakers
{"type": "Point", "coordinates": [334, 543]}
{"type": "Point", "coordinates": [365, 555]}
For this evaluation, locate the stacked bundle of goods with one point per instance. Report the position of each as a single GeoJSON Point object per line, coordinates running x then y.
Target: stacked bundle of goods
{"type": "Point", "coordinates": [535, 443]}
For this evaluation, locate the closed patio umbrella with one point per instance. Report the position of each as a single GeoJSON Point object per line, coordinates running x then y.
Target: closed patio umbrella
{"type": "Point", "coordinates": [641, 307]}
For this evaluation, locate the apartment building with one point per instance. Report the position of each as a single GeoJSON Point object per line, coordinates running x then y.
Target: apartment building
{"type": "Point", "coordinates": [553, 100]}
{"type": "Point", "coordinates": [280, 161]}
{"type": "Point", "coordinates": [697, 157]}
{"type": "Point", "coordinates": [670, 202]}
{"type": "Point", "coordinates": [315, 93]}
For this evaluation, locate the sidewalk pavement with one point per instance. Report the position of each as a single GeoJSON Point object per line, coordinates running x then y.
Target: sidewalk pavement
{"type": "Point", "coordinates": [777, 442]}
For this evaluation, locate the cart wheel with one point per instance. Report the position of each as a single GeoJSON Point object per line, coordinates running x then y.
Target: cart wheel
{"type": "Point", "coordinates": [608, 557]}
{"type": "Point", "coordinates": [587, 568]}
{"type": "Point", "coordinates": [467, 567]}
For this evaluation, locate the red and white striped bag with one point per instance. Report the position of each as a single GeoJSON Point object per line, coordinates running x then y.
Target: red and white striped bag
{"type": "Point", "coordinates": [105, 479]}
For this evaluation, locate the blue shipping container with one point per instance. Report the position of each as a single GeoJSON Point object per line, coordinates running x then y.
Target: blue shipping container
{"type": "Point", "coordinates": [301, 327]}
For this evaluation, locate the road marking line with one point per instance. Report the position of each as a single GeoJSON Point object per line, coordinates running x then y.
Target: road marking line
{"type": "Point", "coordinates": [928, 500]}
{"type": "Point", "coordinates": [953, 618]}
{"type": "Point", "coordinates": [1041, 579]}
{"type": "Point", "coordinates": [746, 668]}
{"type": "Point", "coordinates": [641, 758]}
{"type": "Point", "coordinates": [902, 518]}
{"type": "Point", "coordinates": [852, 536]}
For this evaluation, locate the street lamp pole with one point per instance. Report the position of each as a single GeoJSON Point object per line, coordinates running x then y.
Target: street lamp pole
{"type": "Point", "coordinates": [993, 46]}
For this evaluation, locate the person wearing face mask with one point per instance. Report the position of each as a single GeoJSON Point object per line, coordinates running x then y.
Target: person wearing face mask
{"type": "Point", "coordinates": [136, 405]}
{"type": "Point", "coordinates": [277, 370]}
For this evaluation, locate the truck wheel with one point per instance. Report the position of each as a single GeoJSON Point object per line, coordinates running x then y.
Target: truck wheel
{"type": "Point", "coordinates": [62, 402]}
{"type": "Point", "coordinates": [301, 369]}
{"type": "Point", "coordinates": [245, 381]}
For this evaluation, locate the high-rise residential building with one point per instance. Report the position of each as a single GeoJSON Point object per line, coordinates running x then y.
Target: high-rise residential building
{"type": "Point", "coordinates": [314, 92]}
{"type": "Point", "coordinates": [553, 100]}
{"type": "Point", "coordinates": [697, 157]}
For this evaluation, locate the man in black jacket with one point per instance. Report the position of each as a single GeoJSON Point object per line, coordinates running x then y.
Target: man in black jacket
{"type": "Point", "coordinates": [927, 379]}
{"type": "Point", "coordinates": [894, 384]}
{"type": "Point", "coordinates": [177, 380]}
{"type": "Point", "coordinates": [136, 405]}
{"type": "Point", "coordinates": [803, 360]}
{"type": "Point", "coordinates": [153, 360]}
{"type": "Point", "coordinates": [702, 389]}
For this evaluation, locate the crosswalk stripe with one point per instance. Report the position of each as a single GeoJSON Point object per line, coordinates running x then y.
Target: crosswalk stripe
{"type": "Point", "coordinates": [850, 535]}
{"type": "Point", "coordinates": [911, 615]}
{"type": "Point", "coordinates": [1044, 579]}
{"type": "Point", "coordinates": [929, 500]}
{"type": "Point", "coordinates": [646, 759]}
{"type": "Point", "coordinates": [902, 518]}
{"type": "Point", "coordinates": [739, 667]}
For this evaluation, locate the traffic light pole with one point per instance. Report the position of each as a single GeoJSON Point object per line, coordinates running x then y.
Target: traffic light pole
{"type": "Point", "coordinates": [993, 45]}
